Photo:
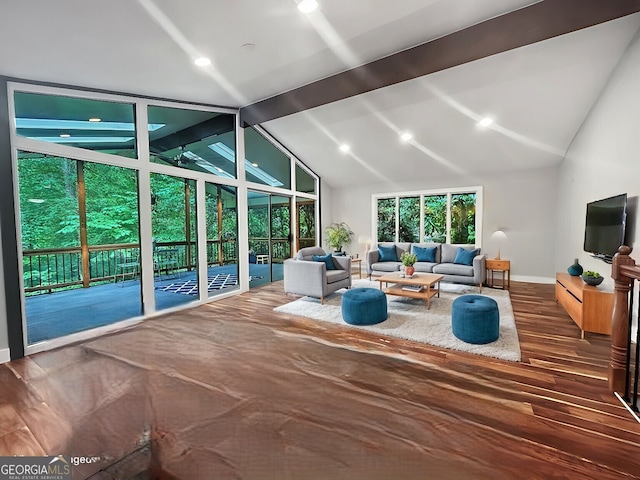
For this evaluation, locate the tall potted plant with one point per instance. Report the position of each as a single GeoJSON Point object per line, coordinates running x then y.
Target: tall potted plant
{"type": "Point", "coordinates": [337, 235]}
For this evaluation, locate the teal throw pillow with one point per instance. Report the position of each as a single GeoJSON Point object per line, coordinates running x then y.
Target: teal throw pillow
{"type": "Point", "coordinates": [465, 257]}
{"type": "Point", "coordinates": [425, 254]}
{"type": "Point", "coordinates": [387, 254]}
{"type": "Point", "coordinates": [326, 259]}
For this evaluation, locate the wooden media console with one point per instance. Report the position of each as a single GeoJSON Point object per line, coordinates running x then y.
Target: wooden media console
{"type": "Point", "coordinates": [590, 307]}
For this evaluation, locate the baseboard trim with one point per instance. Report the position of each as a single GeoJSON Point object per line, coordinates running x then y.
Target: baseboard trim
{"type": "Point", "coordinates": [5, 355]}
{"type": "Point", "coordinates": [524, 278]}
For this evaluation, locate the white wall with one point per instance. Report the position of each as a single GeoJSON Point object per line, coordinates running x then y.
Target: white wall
{"type": "Point", "coordinates": [603, 160]}
{"type": "Point", "coordinates": [522, 203]}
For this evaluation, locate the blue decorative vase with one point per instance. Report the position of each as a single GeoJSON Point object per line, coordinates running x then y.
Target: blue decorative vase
{"type": "Point", "coordinates": [576, 269]}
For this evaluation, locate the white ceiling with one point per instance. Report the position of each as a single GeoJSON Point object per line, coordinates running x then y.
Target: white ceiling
{"type": "Point", "coordinates": [539, 94]}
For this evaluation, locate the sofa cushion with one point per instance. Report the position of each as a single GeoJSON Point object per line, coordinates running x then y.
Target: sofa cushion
{"type": "Point", "coordinates": [424, 254]}
{"type": "Point", "coordinates": [425, 267]}
{"type": "Point", "coordinates": [448, 253]}
{"type": "Point", "coordinates": [336, 275]}
{"type": "Point", "coordinates": [327, 259]}
{"type": "Point", "coordinates": [437, 246]}
{"type": "Point", "coordinates": [402, 247]}
{"type": "Point", "coordinates": [307, 253]}
{"type": "Point", "coordinates": [386, 266]}
{"type": "Point", "coordinates": [453, 269]}
{"type": "Point", "coordinates": [387, 253]}
{"type": "Point", "coordinates": [465, 257]}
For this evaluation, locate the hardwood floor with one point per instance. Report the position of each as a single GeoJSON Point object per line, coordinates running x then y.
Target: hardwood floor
{"type": "Point", "coordinates": [235, 390]}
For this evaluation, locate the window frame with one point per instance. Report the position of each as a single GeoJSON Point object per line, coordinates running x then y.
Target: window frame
{"type": "Point", "coordinates": [449, 192]}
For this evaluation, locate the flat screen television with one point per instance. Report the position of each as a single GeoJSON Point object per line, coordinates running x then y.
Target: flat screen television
{"type": "Point", "coordinates": [605, 226]}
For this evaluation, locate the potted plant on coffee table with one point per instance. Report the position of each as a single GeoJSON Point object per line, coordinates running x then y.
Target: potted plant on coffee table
{"type": "Point", "coordinates": [337, 235]}
{"type": "Point", "coordinates": [408, 260]}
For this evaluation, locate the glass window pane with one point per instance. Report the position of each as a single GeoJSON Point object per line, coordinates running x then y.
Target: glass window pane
{"type": "Point", "coordinates": [409, 219]}
{"type": "Point", "coordinates": [304, 181]}
{"type": "Point", "coordinates": [79, 223]}
{"type": "Point", "coordinates": [222, 235]}
{"type": "Point", "coordinates": [107, 127]}
{"type": "Point", "coordinates": [265, 163]}
{"type": "Point", "coordinates": [387, 220]}
{"type": "Point", "coordinates": [435, 218]}
{"type": "Point", "coordinates": [48, 201]}
{"type": "Point", "coordinates": [281, 228]}
{"type": "Point", "coordinates": [112, 204]}
{"type": "Point", "coordinates": [463, 218]}
{"type": "Point", "coordinates": [173, 223]}
{"type": "Point", "coordinates": [192, 139]}
{"type": "Point", "coordinates": [306, 223]}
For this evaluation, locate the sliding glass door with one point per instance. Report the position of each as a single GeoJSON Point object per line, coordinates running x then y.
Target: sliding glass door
{"type": "Point", "coordinates": [80, 244]}
{"type": "Point", "coordinates": [269, 236]}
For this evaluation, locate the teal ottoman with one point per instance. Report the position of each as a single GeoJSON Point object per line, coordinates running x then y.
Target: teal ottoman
{"type": "Point", "coordinates": [364, 306]}
{"type": "Point", "coordinates": [475, 319]}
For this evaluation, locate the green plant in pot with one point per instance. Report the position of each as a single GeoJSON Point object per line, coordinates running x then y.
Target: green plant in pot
{"type": "Point", "coordinates": [592, 278]}
{"type": "Point", "coordinates": [338, 234]}
{"type": "Point", "coordinates": [408, 259]}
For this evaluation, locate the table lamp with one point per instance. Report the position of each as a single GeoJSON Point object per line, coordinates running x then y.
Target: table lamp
{"type": "Point", "coordinates": [499, 236]}
{"type": "Point", "coordinates": [366, 241]}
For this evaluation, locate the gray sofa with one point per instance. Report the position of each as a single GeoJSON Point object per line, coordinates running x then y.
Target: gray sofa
{"type": "Point", "coordinates": [304, 276]}
{"type": "Point", "coordinates": [444, 265]}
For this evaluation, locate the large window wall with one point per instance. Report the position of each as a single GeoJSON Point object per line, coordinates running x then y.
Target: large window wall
{"type": "Point", "coordinates": [128, 206]}
{"type": "Point", "coordinates": [442, 216]}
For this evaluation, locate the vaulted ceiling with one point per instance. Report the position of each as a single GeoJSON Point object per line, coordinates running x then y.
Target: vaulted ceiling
{"type": "Point", "coordinates": [537, 94]}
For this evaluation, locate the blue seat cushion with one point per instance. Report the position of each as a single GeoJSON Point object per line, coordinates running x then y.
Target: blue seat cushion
{"type": "Point", "coordinates": [364, 306]}
{"type": "Point", "coordinates": [475, 319]}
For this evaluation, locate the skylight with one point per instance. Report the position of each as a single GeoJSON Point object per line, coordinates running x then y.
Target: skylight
{"type": "Point", "coordinates": [79, 139]}
{"type": "Point", "coordinates": [224, 151]}
{"type": "Point", "coordinates": [56, 124]}
{"type": "Point", "coordinates": [202, 163]}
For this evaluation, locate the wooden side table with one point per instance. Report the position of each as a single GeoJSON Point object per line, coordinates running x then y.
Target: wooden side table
{"type": "Point", "coordinates": [494, 265]}
{"type": "Point", "coordinates": [358, 262]}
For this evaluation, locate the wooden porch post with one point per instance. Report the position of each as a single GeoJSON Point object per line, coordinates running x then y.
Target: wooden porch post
{"type": "Point", "coordinates": [620, 321]}
{"type": "Point", "coordinates": [82, 211]}
{"type": "Point", "coordinates": [187, 221]}
{"type": "Point", "coordinates": [220, 232]}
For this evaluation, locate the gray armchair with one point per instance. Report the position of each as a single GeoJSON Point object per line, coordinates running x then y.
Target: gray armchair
{"type": "Point", "coordinates": [303, 276]}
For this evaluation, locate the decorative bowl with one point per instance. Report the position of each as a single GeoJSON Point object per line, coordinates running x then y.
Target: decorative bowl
{"type": "Point", "coordinates": [593, 281]}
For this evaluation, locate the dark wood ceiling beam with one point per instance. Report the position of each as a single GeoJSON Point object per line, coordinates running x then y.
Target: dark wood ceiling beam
{"type": "Point", "coordinates": [532, 24]}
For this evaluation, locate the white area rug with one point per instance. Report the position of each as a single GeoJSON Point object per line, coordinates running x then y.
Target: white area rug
{"type": "Point", "coordinates": [410, 319]}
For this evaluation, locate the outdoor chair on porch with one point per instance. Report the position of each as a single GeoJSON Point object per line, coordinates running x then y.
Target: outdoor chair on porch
{"type": "Point", "coordinates": [127, 264]}
{"type": "Point", "coordinates": [166, 259]}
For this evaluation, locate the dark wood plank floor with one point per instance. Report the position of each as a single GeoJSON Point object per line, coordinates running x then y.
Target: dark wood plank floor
{"type": "Point", "coordinates": [234, 390]}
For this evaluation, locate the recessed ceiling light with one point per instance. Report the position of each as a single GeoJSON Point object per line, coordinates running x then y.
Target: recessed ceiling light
{"type": "Point", "coordinates": [485, 122]}
{"type": "Point", "coordinates": [95, 119]}
{"type": "Point", "coordinates": [254, 164]}
{"type": "Point", "coordinates": [344, 147]}
{"type": "Point", "coordinates": [64, 135]}
{"type": "Point", "coordinates": [307, 6]}
{"type": "Point", "coordinates": [202, 61]}
{"type": "Point", "coordinates": [406, 136]}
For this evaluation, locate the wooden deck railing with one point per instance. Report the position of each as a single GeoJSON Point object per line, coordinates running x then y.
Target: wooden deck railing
{"type": "Point", "coordinates": [625, 273]}
{"type": "Point", "coordinates": [58, 268]}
